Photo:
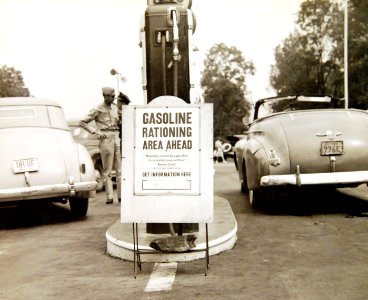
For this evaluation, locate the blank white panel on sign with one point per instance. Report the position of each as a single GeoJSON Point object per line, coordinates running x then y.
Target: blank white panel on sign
{"type": "Point", "coordinates": [162, 185]}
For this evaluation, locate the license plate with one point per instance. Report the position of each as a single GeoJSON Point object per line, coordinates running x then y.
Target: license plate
{"type": "Point", "coordinates": [25, 165]}
{"type": "Point", "coordinates": [332, 148]}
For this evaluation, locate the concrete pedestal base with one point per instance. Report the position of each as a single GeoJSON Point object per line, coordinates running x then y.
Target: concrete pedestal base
{"type": "Point", "coordinates": [221, 236]}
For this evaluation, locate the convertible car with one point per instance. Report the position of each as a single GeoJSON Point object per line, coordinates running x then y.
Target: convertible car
{"type": "Point", "coordinates": [39, 158]}
{"type": "Point", "coordinates": [301, 141]}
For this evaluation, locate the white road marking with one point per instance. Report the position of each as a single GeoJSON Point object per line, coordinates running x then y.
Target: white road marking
{"type": "Point", "coordinates": [162, 277]}
{"type": "Point", "coordinates": [4, 248]}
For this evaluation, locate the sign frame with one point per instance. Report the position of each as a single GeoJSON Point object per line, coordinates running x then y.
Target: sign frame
{"type": "Point", "coordinates": [168, 206]}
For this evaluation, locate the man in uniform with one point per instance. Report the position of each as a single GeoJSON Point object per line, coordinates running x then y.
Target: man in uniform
{"type": "Point", "coordinates": [106, 118]}
{"type": "Point", "coordinates": [122, 100]}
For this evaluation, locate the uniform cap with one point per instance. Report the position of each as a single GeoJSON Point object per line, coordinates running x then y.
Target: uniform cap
{"type": "Point", "coordinates": [123, 98]}
{"type": "Point", "coordinates": [108, 91]}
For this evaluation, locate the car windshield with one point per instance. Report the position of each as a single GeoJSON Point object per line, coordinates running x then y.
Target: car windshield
{"type": "Point", "coordinates": [32, 116]}
{"type": "Point", "coordinates": [292, 104]}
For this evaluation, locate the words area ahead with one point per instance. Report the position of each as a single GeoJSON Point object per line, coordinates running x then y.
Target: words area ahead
{"type": "Point", "coordinates": [167, 163]}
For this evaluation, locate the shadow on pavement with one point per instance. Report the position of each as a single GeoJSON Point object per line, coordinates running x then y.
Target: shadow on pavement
{"type": "Point", "coordinates": [33, 214]}
{"type": "Point", "coordinates": [316, 201]}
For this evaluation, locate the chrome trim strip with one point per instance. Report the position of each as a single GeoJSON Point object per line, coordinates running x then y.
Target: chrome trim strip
{"type": "Point", "coordinates": [45, 190]}
{"type": "Point", "coordinates": [339, 178]}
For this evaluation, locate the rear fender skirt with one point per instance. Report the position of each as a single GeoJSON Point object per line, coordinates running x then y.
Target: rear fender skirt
{"type": "Point", "coordinates": [256, 166]}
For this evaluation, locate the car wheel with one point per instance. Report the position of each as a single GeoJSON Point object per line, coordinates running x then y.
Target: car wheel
{"type": "Point", "coordinates": [235, 161]}
{"type": "Point", "coordinates": [256, 198]}
{"type": "Point", "coordinates": [98, 175]}
{"type": "Point", "coordinates": [244, 185]}
{"type": "Point", "coordinates": [78, 206]}
{"type": "Point", "coordinates": [226, 147]}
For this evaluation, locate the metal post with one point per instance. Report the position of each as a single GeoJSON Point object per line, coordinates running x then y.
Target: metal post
{"type": "Point", "coordinates": [176, 53]}
{"type": "Point", "coordinates": [117, 83]}
{"type": "Point", "coordinates": [134, 253]}
{"type": "Point", "coordinates": [207, 248]}
{"type": "Point", "coordinates": [163, 66]}
{"type": "Point", "coordinates": [113, 72]}
{"type": "Point", "coordinates": [346, 64]}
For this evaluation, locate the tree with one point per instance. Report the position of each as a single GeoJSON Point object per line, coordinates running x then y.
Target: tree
{"type": "Point", "coordinates": [358, 54]}
{"type": "Point", "coordinates": [294, 71]}
{"type": "Point", "coordinates": [223, 84]}
{"type": "Point", "coordinates": [11, 83]}
{"type": "Point", "coordinates": [307, 61]}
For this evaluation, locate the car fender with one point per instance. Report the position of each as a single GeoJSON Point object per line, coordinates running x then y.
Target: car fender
{"type": "Point", "coordinates": [238, 156]}
{"type": "Point", "coordinates": [86, 160]}
{"type": "Point", "coordinates": [256, 163]}
{"type": "Point", "coordinates": [266, 152]}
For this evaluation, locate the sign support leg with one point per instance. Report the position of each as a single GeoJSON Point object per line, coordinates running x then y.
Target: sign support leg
{"type": "Point", "coordinates": [136, 254]}
{"type": "Point", "coordinates": [207, 256]}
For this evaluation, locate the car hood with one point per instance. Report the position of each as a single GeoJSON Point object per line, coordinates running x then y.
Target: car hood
{"type": "Point", "coordinates": [54, 150]}
{"type": "Point", "coordinates": [305, 130]}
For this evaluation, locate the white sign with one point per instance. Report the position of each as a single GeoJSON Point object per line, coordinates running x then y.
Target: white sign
{"type": "Point", "coordinates": [167, 150]}
{"type": "Point", "coordinates": [167, 162]}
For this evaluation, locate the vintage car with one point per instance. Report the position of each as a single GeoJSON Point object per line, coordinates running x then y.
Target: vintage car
{"type": "Point", "coordinates": [301, 141]}
{"type": "Point", "coordinates": [40, 159]}
{"type": "Point", "coordinates": [227, 148]}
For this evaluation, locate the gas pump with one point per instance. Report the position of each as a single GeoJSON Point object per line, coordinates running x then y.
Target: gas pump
{"type": "Point", "coordinates": [166, 32]}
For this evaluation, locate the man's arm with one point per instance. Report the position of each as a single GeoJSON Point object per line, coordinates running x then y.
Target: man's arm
{"type": "Point", "coordinates": [84, 122]}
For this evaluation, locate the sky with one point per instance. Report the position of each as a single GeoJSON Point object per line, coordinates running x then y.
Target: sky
{"type": "Point", "coordinates": [65, 49]}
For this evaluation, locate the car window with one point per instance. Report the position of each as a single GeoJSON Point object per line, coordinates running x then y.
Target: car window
{"type": "Point", "coordinates": [32, 116]}
{"type": "Point", "coordinates": [11, 113]}
{"type": "Point", "coordinates": [23, 116]}
{"type": "Point", "coordinates": [277, 106]}
{"type": "Point", "coordinates": [264, 110]}
{"type": "Point", "coordinates": [57, 118]}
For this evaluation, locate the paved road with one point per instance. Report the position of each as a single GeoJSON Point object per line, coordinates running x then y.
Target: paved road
{"type": "Point", "coordinates": [320, 252]}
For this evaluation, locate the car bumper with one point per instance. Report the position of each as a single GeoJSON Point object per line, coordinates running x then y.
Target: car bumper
{"type": "Point", "coordinates": [335, 178]}
{"type": "Point", "coordinates": [47, 191]}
